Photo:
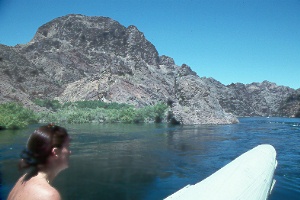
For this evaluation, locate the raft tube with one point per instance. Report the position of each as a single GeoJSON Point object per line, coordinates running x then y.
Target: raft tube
{"type": "Point", "coordinates": [249, 177]}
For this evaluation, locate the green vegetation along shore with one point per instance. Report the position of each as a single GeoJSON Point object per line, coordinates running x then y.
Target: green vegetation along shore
{"type": "Point", "coordinates": [14, 116]}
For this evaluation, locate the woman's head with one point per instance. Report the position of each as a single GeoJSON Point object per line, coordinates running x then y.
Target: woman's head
{"type": "Point", "coordinates": [40, 145]}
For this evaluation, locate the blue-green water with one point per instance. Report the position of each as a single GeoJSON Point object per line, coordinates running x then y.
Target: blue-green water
{"type": "Point", "coordinates": [149, 161]}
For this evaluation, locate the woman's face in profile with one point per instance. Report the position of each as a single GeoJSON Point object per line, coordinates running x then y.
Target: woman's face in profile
{"type": "Point", "coordinates": [64, 155]}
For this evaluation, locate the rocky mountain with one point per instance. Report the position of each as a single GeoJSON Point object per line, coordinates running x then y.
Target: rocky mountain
{"type": "Point", "coordinates": [77, 57]}
{"type": "Point", "coordinates": [255, 99]}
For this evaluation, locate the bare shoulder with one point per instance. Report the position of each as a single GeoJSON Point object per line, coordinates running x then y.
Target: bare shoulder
{"type": "Point", "coordinates": [46, 192]}
{"type": "Point", "coordinates": [33, 190]}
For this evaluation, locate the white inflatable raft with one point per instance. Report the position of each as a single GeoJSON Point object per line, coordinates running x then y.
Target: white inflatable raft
{"type": "Point", "coordinates": [249, 176]}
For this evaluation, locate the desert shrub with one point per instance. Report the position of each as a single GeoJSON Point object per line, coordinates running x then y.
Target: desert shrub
{"type": "Point", "coordinates": [160, 111]}
{"type": "Point", "coordinates": [86, 104]}
{"type": "Point", "coordinates": [48, 103]}
{"type": "Point", "coordinates": [93, 104]}
{"type": "Point", "coordinates": [155, 113]}
{"type": "Point", "coordinates": [15, 116]}
{"type": "Point", "coordinates": [129, 115]}
{"type": "Point", "coordinates": [95, 112]}
{"type": "Point", "coordinates": [96, 104]}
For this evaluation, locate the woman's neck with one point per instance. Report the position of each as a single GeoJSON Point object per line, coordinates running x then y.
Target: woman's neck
{"type": "Point", "coordinates": [47, 175]}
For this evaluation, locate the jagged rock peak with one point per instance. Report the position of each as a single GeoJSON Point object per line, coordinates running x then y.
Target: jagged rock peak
{"type": "Point", "coordinates": [96, 34]}
{"type": "Point", "coordinates": [186, 70]}
{"type": "Point", "coordinates": [135, 31]}
{"type": "Point", "coordinates": [61, 26]}
{"type": "Point", "coordinates": [166, 60]}
{"type": "Point", "coordinates": [270, 85]}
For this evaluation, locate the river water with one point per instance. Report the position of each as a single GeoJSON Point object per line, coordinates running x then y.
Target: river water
{"type": "Point", "coordinates": [152, 161]}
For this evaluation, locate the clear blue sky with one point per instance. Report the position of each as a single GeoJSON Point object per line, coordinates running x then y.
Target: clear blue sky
{"type": "Point", "coordinates": [230, 40]}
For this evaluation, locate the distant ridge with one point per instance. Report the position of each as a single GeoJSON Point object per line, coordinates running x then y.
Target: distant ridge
{"type": "Point", "coordinates": [76, 57]}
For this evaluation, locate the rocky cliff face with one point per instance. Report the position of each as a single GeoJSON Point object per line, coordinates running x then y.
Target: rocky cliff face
{"type": "Point", "coordinates": [255, 99]}
{"type": "Point", "coordinates": [19, 78]}
{"type": "Point", "coordinates": [290, 107]}
{"type": "Point", "coordinates": [76, 57]}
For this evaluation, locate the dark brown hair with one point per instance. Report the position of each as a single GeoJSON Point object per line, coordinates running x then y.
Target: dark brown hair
{"type": "Point", "coordinates": [39, 147]}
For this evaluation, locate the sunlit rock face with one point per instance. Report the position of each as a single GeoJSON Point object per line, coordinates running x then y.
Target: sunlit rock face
{"type": "Point", "coordinates": [256, 99]}
{"type": "Point", "coordinates": [77, 57]}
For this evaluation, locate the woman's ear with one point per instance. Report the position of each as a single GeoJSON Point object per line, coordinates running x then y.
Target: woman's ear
{"type": "Point", "coordinates": [55, 151]}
